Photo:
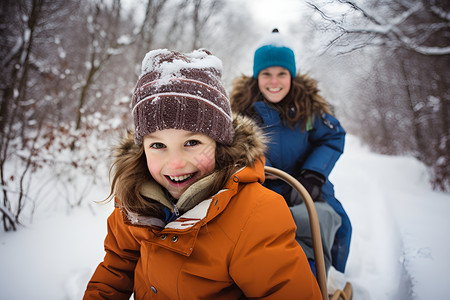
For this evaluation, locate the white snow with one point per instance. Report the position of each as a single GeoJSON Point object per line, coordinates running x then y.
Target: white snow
{"type": "Point", "coordinates": [197, 59]}
{"type": "Point", "coordinates": [400, 226]}
{"type": "Point", "coordinates": [399, 250]}
{"type": "Point", "coordinates": [275, 39]}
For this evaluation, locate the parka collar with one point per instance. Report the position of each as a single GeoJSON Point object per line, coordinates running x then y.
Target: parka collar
{"type": "Point", "coordinates": [180, 235]}
{"type": "Point", "coordinates": [152, 190]}
{"type": "Point", "coordinates": [193, 203]}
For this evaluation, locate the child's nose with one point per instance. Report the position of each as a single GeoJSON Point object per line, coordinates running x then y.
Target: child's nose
{"type": "Point", "coordinates": [176, 160]}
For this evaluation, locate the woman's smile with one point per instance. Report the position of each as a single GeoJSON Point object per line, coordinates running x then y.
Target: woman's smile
{"type": "Point", "coordinates": [274, 83]}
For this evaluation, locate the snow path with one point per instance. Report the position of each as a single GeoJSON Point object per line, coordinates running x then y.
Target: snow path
{"type": "Point", "coordinates": [400, 227]}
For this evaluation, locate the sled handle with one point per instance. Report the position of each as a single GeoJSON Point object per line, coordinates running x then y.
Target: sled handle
{"type": "Point", "coordinates": [314, 224]}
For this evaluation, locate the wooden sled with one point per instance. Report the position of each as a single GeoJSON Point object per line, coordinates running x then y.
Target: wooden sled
{"type": "Point", "coordinates": [347, 292]}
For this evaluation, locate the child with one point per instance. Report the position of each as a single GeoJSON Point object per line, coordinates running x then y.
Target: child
{"type": "Point", "coordinates": [192, 220]}
{"type": "Point", "coordinates": [305, 140]}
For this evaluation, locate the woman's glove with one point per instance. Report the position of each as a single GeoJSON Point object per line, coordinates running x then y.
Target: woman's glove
{"type": "Point", "coordinates": [313, 182]}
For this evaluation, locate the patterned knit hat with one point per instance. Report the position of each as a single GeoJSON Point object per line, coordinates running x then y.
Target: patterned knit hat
{"type": "Point", "coordinates": [182, 91]}
{"type": "Point", "coordinates": [274, 51]}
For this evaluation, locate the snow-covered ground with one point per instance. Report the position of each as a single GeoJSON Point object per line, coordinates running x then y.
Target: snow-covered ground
{"type": "Point", "coordinates": [400, 246]}
{"type": "Point", "coordinates": [399, 250]}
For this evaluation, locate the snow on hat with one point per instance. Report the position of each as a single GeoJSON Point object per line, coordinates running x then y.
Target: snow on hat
{"type": "Point", "coordinates": [274, 51]}
{"type": "Point", "coordinates": [182, 91]}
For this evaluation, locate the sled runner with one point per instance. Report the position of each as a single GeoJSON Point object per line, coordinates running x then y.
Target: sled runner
{"type": "Point", "coordinates": [347, 292]}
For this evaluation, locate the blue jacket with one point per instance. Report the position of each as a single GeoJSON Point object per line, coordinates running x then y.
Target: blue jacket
{"type": "Point", "coordinates": [317, 149]}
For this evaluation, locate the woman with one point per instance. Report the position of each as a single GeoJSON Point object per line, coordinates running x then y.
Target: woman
{"type": "Point", "coordinates": [305, 140]}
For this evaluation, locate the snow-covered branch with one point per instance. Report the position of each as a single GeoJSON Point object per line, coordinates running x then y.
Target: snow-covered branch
{"type": "Point", "coordinates": [401, 30]}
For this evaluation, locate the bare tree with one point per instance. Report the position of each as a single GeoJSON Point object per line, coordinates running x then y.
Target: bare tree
{"type": "Point", "coordinates": [149, 27]}
{"type": "Point", "coordinates": [202, 11]}
{"type": "Point", "coordinates": [411, 38]}
{"type": "Point", "coordinates": [36, 90]}
{"type": "Point", "coordinates": [103, 29]}
{"type": "Point", "coordinates": [404, 26]}
{"type": "Point", "coordinates": [22, 98]}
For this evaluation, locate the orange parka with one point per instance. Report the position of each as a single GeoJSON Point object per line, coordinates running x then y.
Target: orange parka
{"type": "Point", "coordinates": [237, 244]}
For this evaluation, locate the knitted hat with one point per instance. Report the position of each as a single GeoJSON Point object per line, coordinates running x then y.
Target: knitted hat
{"type": "Point", "coordinates": [182, 91]}
{"type": "Point", "coordinates": [274, 52]}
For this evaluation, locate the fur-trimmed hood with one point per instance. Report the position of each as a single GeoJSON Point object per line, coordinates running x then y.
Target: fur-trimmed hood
{"type": "Point", "coordinates": [249, 144]}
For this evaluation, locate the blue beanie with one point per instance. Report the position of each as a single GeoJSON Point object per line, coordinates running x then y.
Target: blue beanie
{"type": "Point", "coordinates": [274, 52]}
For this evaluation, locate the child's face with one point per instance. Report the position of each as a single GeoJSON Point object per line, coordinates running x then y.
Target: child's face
{"type": "Point", "coordinates": [177, 158]}
{"type": "Point", "coordinates": [274, 83]}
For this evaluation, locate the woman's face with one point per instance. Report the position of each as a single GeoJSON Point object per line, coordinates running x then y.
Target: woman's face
{"type": "Point", "coordinates": [274, 83]}
{"type": "Point", "coordinates": [177, 158]}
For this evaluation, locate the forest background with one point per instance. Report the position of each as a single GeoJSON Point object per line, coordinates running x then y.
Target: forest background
{"type": "Point", "coordinates": [68, 68]}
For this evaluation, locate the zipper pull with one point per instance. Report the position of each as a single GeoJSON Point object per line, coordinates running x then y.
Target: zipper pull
{"type": "Point", "coordinates": [175, 210]}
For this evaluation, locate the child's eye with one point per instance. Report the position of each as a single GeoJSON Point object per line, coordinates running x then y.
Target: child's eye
{"type": "Point", "coordinates": [157, 146]}
{"type": "Point", "coordinates": [192, 143]}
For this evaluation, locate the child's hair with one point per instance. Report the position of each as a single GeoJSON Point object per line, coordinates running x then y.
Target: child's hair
{"type": "Point", "coordinates": [128, 172]}
{"type": "Point", "coordinates": [300, 104]}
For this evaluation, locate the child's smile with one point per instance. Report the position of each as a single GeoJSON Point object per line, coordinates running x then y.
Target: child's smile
{"type": "Point", "coordinates": [177, 158]}
{"type": "Point", "coordinates": [181, 180]}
